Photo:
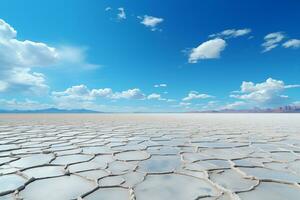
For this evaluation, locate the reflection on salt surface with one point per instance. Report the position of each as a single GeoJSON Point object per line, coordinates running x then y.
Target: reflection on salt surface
{"type": "Point", "coordinates": [111, 181]}
{"type": "Point", "coordinates": [232, 180]}
{"type": "Point", "coordinates": [120, 167]}
{"type": "Point", "coordinates": [32, 160]}
{"type": "Point", "coordinates": [44, 171]}
{"type": "Point", "coordinates": [272, 191]}
{"type": "Point", "coordinates": [173, 186]}
{"type": "Point", "coordinates": [133, 178]}
{"type": "Point", "coordinates": [61, 188]}
{"type": "Point", "coordinates": [11, 182]}
{"type": "Point", "coordinates": [116, 193]}
{"type": "Point", "coordinates": [160, 164]}
{"type": "Point", "coordinates": [132, 155]}
{"type": "Point", "coordinates": [93, 174]}
{"type": "Point", "coordinates": [69, 159]}
{"type": "Point", "coordinates": [263, 173]}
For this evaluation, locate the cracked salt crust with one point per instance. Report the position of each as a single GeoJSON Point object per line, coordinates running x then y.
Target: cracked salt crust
{"type": "Point", "coordinates": [158, 156]}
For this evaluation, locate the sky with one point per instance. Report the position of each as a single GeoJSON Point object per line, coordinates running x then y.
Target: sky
{"type": "Point", "coordinates": [149, 56]}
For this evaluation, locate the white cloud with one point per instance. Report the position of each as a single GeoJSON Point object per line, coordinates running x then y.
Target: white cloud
{"type": "Point", "coordinates": [272, 40]}
{"type": "Point", "coordinates": [78, 93]}
{"type": "Point", "coordinates": [75, 56]}
{"type": "Point", "coordinates": [293, 43]}
{"type": "Point", "coordinates": [265, 93]}
{"type": "Point", "coordinates": [195, 95]}
{"type": "Point", "coordinates": [129, 94]}
{"type": "Point", "coordinates": [17, 58]}
{"type": "Point", "coordinates": [160, 85]}
{"type": "Point", "coordinates": [184, 104]}
{"type": "Point", "coordinates": [121, 14]}
{"type": "Point", "coordinates": [207, 50]}
{"type": "Point", "coordinates": [234, 105]}
{"type": "Point", "coordinates": [106, 92]}
{"type": "Point", "coordinates": [151, 22]}
{"type": "Point", "coordinates": [232, 33]}
{"type": "Point", "coordinates": [6, 31]}
{"type": "Point", "coordinates": [154, 96]}
{"type": "Point", "coordinates": [27, 104]}
{"type": "Point", "coordinates": [83, 93]}
{"type": "Point", "coordinates": [158, 97]}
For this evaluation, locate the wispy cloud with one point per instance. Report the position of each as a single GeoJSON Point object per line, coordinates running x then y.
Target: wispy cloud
{"type": "Point", "coordinates": [195, 95]}
{"type": "Point", "coordinates": [272, 40]}
{"type": "Point", "coordinates": [292, 43]}
{"type": "Point", "coordinates": [151, 22]}
{"type": "Point", "coordinates": [121, 14]}
{"type": "Point", "coordinates": [160, 85]}
{"type": "Point", "coordinates": [232, 33]}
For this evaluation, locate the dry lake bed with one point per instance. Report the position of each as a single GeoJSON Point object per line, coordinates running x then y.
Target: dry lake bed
{"type": "Point", "coordinates": [150, 156]}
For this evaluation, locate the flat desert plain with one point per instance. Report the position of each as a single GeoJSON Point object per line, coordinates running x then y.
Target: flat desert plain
{"type": "Point", "coordinates": [150, 156]}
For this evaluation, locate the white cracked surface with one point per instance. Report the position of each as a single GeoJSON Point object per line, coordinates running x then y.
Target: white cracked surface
{"type": "Point", "coordinates": [150, 156]}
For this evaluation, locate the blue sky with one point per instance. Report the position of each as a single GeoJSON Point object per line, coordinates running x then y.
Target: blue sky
{"type": "Point", "coordinates": [149, 55]}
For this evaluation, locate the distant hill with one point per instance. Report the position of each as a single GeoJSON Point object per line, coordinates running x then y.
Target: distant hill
{"type": "Point", "coordinates": [50, 110]}
{"type": "Point", "coordinates": [283, 109]}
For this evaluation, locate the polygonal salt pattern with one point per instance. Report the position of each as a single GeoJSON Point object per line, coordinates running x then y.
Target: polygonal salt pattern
{"type": "Point", "coordinates": [157, 156]}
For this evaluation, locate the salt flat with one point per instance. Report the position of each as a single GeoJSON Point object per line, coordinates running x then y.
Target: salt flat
{"type": "Point", "coordinates": [150, 156]}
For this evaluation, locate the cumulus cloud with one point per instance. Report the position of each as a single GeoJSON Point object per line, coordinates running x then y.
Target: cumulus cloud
{"type": "Point", "coordinates": [78, 92]}
{"type": "Point", "coordinates": [105, 92]}
{"type": "Point", "coordinates": [293, 43]}
{"type": "Point", "coordinates": [18, 57]}
{"type": "Point", "coordinates": [195, 95]}
{"type": "Point", "coordinates": [121, 14]}
{"type": "Point", "coordinates": [129, 94]}
{"type": "Point", "coordinates": [232, 33]}
{"type": "Point", "coordinates": [272, 40]}
{"type": "Point", "coordinates": [269, 92]}
{"type": "Point", "coordinates": [207, 50]}
{"type": "Point", "coordinates": [83, 93]}
{"type": "Point", "coordinates": [151, 22]}
{"type": "Point", "coordinates": [160, 85]}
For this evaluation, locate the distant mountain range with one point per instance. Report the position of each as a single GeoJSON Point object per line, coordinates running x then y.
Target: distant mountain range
{"type": "Point", "coordinates": [283, 109]}
{"type": "Point", "coordinates": [50, 110]}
